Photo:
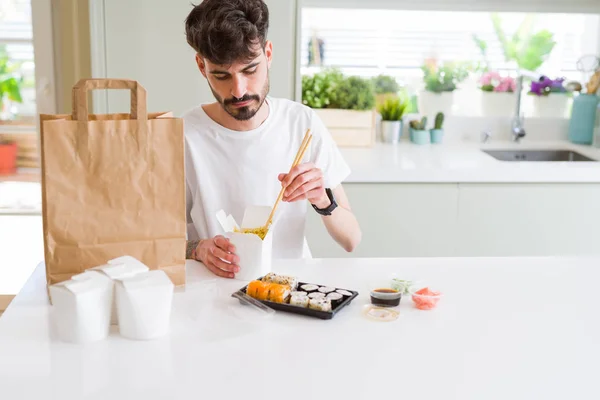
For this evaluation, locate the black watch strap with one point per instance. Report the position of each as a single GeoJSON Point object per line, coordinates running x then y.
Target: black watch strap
{"type": "Point", "coordinates": [332, 206]}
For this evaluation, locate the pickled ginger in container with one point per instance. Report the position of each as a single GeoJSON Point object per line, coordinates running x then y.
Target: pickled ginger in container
{"type": "Point", "coordinates": [253, 244]}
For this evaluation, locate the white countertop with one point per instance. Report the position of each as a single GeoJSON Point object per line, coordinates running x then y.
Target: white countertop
{"type": "Point", "coordinates": [506, 329]}
{"type": "Point", "coordinates": [463, 162]}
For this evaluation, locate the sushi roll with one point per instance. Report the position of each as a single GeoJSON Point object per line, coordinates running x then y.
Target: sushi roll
{"type": "Point", "coordinates": [316, 295]}
{"type": "Point", "coordinates": [344, 292]}
{"type": "Point", "coordinates": [258, 289]}
{"type": "Point", "coordinates": [335, 298]}
{"type": "Point", "coordinates": [309, 288]}
{"type": "Point", "coordinates": [278, 293]}
{"type": "Point", "coordinates": [326, 289]}
{"type": "Point", "coordinates": [298, 293]}
{"type": "Point", "coordinates": [291, 281]}
{"type": "Point", "coordinates": [320, 304]}
{"type": "Point", "coordinates": [300, 300]}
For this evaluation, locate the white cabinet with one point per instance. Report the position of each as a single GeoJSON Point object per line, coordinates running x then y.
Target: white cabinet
{"type": "Point", "coordinates": [528, 219]}
{"type": "Point", "coordinates": [430, 220]}
{"type": "Point", "coordinates": [397, 220]}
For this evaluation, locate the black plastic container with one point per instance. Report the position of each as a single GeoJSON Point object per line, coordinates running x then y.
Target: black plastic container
{"type": "Point", "coordinates": [335, 307]}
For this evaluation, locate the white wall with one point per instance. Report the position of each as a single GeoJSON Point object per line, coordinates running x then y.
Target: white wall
{"type": "Point", "coordinates": [145, 40]}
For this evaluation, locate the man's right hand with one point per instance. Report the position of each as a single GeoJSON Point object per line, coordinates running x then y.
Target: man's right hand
{"type": "Point", "coordinates": [218, 254]}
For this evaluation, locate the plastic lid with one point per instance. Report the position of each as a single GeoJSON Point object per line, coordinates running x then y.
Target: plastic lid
{"type": "Point", "coordinates": [252, 307]}
{"type": "Point", "coordinates": [380, 313]}
{"type": "Point", "coordinates": [147, 279]}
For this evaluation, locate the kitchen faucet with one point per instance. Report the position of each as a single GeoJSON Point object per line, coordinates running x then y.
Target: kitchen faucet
{"type": "Point", "coordinates": [517, 128]}
{"type": "Point", "coordinates": [518, 131]}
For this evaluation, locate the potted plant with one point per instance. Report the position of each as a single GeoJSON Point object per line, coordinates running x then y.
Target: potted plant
{"type": "Point", "coordinates": [10, 84]}
{"type": "Point", "coordinates": [392, 110]}
{"type": "Point", "coordinates": [437, 132]}
{"type": "Point", "coordinates": [441, 80]}
{"type": "Point", "coordinates": [498, 94]}
{"type": "Point", "coordinates": [345, 105]}
{"type": "Point", "coordinates": [550, 98]}
{"type": "Point", "coordinates": [8, 157]}
{"type": "Point", "coordinates": [418, 131]}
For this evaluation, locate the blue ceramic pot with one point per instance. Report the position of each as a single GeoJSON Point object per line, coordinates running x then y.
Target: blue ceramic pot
{"type": "Point", "coordinates": [436, 135]}
{"type": "Point", "coordinates": [420, 136]}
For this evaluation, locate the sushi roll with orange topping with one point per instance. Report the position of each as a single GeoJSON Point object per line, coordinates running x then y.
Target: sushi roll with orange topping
{"type": "Point", "coordinates": [258, 289]}
{"type": "Point", "coordinates": [278, 293]}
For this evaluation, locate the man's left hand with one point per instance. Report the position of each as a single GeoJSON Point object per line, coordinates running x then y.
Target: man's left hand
{"type": "Point", "coordinates": [305, 181]}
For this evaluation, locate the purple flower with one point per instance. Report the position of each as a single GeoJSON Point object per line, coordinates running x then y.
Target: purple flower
{"type": "Point", "coordinates": [545, 86]}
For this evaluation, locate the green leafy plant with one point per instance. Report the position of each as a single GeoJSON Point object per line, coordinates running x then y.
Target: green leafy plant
{"type": "Point", "coordinates": [320, 90]}
{"type": "Point", "coordinates": [392, 109]}
{"type": "Point", "coordinates": [10, 81]}
{"type": "Point", "coordinates": [439, 121]}
{"type": "Point", "coordinates": [354, 93]}
{"type": "Point", "coordinates": [383, 84]}
{"type": "Point", "coordinates": [444, 77]}
{"type": "Point", "coordinates": [419, 125]}
{"type": "Point", "coordinates": [528, 50]}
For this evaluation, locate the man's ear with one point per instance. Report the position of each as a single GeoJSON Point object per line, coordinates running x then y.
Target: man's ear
{"type": "Point", "coordinates": [269, 52]}
{"type": "Point", "coordinates": [201, 64]}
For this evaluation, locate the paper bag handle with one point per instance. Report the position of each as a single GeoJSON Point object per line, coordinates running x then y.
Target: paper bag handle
{"type": "Point", "coordinates": [138, 96]}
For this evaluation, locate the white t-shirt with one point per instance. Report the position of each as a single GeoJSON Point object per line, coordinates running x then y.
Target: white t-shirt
{"type": "Point", "coordinates": [230, 170]}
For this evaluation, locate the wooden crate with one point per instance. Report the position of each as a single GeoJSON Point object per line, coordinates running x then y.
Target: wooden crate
{"type": "Point", "coordinates": [350, 128]}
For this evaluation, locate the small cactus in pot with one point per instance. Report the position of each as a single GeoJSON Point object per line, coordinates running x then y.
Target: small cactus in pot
{"type": "Point", "coordinates": [418, 131]}
{"type": "Point", "coordinates": [437, 133]}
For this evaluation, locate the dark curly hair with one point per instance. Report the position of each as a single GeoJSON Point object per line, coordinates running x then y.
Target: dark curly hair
{"type": "Point", "coordinates": [225, 31]}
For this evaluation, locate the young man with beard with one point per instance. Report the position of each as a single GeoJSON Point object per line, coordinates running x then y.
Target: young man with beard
{"type": "Point", "coordinates": [239, 149]}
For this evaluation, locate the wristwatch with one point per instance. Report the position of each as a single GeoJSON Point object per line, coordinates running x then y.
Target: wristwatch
{"type": "Point", "coordinates": [332, 206]}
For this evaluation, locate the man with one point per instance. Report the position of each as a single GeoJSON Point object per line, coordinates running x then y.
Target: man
{"type": "Point", "coordinates": [239, 149]}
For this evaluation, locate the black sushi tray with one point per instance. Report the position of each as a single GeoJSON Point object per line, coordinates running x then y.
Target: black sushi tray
{"type": "Point", "coordinates": [241, 294]}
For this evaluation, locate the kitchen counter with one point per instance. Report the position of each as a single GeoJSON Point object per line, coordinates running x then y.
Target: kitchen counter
{"type": "Point", "coordinates": [518, 328]}
{"type": "Point", "coordinates": [462, 162]}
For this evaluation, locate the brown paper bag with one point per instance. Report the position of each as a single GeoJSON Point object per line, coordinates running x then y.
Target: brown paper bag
{"type": "Point", "coordinates": [112, 185]}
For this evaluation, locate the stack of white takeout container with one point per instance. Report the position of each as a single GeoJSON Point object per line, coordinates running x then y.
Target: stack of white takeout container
{"type": "Point", "coordinates": [123, 292]}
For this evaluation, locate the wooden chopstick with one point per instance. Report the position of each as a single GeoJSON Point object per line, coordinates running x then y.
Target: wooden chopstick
{"type": "Point", "coordinates": [299, 156]}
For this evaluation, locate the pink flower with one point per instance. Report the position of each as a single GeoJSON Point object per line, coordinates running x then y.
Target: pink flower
{"type": "Point", "coordinates": [507, 84]}
{"type": "Point", "coordinates": [490, 78]}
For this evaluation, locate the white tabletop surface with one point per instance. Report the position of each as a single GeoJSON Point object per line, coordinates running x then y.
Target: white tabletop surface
{"type": "Point", "coordinates": [512, 328]}
{"type": "Point", "coordinates": [464, 162]}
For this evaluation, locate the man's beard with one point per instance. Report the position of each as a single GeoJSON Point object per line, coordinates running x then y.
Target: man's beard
{"type": "Point", "coordinates": [246, 112]}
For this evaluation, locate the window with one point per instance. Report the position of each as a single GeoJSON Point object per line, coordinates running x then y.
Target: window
{"type": "Point", "coordinates": [368, 42]}
{"type": "Point", "coordinates": [16, 41]}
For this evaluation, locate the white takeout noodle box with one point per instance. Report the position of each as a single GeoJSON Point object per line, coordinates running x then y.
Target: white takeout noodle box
{"type": "Point", "coordinates": [120, 268]}
{"type": "Point", "coordinates": [255, 253]}
{"type": "Point", "coordinates": [81, 307]}
{"type": "Point", "coordinates": [144, 305]}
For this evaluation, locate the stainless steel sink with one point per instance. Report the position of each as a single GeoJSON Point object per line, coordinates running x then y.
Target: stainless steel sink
{"type": "Point", "coordinates": [538, 155]}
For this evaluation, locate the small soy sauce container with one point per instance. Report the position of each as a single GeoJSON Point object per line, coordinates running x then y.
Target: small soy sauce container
{"type": "Point", "coordinates": [385, 297]}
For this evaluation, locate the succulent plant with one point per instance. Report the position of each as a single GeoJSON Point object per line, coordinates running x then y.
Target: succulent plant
{"type": "Point", "coordinates": [419, 125]}
{"type": "Point", "coordinates": [439, 120]}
